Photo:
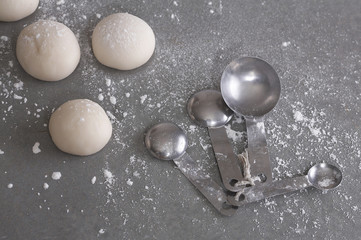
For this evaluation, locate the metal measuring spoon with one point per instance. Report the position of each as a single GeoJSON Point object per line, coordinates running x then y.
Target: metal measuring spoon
{"type": "Point", "coordinates": [322, 176]}
{"type": "Point", "coordinates": [208, 109]}
{"type": "Point", "coordinates": [251, 87]}
{"type": "Point", "coordinates": [167, 141]}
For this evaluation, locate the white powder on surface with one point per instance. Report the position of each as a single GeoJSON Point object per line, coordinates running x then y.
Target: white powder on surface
{"type": "Point", "coordinates": [4, 38]}
{"type": "Point", "coordinates": [1, 152]}
{"type": "Point", "coordinates": [19, 85]}
{"type": "Point", "coordinates": [100, 97]}
{"type": "Point", "coordinates": [17, 97]}
{"type": "Point", "coordinates": [93, 180]}
{"type": "Point", "coordinates": [101, 231]}
{"type": "Point", "coordinates": [36, 148]}
{"type": "Point", "coordinates": [286, 44]}
{"type": "Point", "coordinates": [129, 182]}
{"type": "Point", "coordinates": [298, 116]}
{"type": "Point", "coordinates": [325, 183]}
{"type": "Point", "coordinates": [143, 98]}
{"type": "Point", "coordinates": [56, 175]}
{"type": "Point", "coordinates": [60, 2]}
{"type": "Point", "coordinates": [108, 82]}
{"type": "Point", "coordinates": [45, 186]}
{"type": "Point", "coordinates": [111, 116]}
{"type": "Point", "coordinates": [113, 100]}
{"type": "Point", "coordinates": [10, 185]}
{"type": "Point", "coordinates": [109, 178]}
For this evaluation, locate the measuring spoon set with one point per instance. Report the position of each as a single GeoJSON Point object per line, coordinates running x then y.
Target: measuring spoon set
{"type": "Point", "coordinates": [250, 88]}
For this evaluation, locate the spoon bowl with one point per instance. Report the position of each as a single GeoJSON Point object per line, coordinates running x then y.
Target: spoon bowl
{"type": "Point", "coordinates": [208, 109]}
{"type": "Point", "coordinates": [324, 176]}
{"type": "Point", "coordinates": [166, 141]}
{"type": "Point", "coordinates": [250, 86]}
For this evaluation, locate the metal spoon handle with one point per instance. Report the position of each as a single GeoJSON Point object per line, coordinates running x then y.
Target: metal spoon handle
{"type": "Point", "coordinates": [209, 188]}
{"type": "Point", "coordinates": [259, 192]}
{"type": "Point", "coordinates": [227, 160]}
{"type": "Point", "coordinates": [257, 149]}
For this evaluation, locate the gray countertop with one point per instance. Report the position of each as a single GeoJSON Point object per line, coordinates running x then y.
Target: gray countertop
{"type": "Point", "coordinates": [314, 46]}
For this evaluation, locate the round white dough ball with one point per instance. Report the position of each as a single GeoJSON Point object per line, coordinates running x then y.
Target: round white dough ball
{"type": "Point", "coordinates": [14, 10]}
{"type": "Point", "coordinates": [123, 41]}
{"type": "Point", "coordinates": [48, 50]}
{"type": "Point", "coordinates": [80, 127]}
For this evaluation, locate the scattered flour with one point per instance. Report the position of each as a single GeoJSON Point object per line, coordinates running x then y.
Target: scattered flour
{"type": "Point", "coordinates": [113, 100]}
{"type": "Point", "coordinates": [17, 97]}
{"type": "Point", "coordinates": [143, 98]}
{"type": "Point", "coordinates": [36, 148]}
{"type": "Point", "coordinates": [4, 38]}
{"type": "Point", "coordinates": [56, 175]}
{"type": "Point", "coordinates": [1, 152]}
{"type": "Point", "coordinates": [298, 116]}
{"type": "Point", "coordinates": [286, 44]}
{"type": "Point", "coordinates": [100, 97]}
{"type": "Point", "coordinates": [60, 2]}
{"type": "Point", "coordinates": [10, 185]}
{"type": "Point", "coordinates": [109, 178]}
{"type": "Point", "coordinates": [93, 180]}
{"type": "Point", "coordinates": [129, 182]}
{"type": "Point", "coordinates": [108, 82]}
{"type": "Point", "coordinates": [46, 186]}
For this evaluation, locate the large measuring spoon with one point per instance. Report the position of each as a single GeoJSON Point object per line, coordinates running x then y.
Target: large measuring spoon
{"type": "Point", "coordinates": [167, 141]}
{"type": "Point", "coordinates": [322, 176]}
{"type": "Point", "coordinates": [251, 87]}
{"type": "Point", "coordinates": [208, 109]}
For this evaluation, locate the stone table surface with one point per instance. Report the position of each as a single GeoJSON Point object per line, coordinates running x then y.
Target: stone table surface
{"type": "Point", "coordinates": [124, 193]}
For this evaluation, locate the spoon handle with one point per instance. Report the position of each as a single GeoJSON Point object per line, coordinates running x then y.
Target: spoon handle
{"type": "Point", "coordinates": [257, 149]}
{"type": "Point", "coordinates": [227, 160]}
{"type": "Point", "coordinates": [262, 191]}
{"type": "Point", "coordinates": [202, 181]}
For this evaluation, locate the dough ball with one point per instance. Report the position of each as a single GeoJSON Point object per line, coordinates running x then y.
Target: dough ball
{"type": "Point", "coordinates": [123, 41]}
{"type": "Point", "coordinates": [80, 127]}
{"type": "Point", "coordinates": [48, 50]}
{"type": "Point", "coordinates": [14, 10]}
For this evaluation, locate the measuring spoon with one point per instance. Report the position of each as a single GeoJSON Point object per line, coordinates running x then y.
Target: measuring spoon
{"type": "Point", "coordinates": [322, 176]}
{"type": "Point", "coordinates": [208, 109]}
{"type": "Point", "coordinates": [167, 141]}
{"type": "Point", "coordinates": [251, 87]}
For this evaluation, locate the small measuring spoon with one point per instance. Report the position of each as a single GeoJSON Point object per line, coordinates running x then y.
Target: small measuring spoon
{"type": "Point", "coordinates": [208, 109]}
{"type": "Point", "coordinates": [322, 176]}
{"type": "Point", "coordinates": [167, 141]}
{"type": "Point", "coordinates": [251, 87]}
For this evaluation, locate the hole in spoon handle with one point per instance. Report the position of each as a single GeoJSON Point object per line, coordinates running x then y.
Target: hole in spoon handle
{"type": "Point", "coordinates": [209, 188]}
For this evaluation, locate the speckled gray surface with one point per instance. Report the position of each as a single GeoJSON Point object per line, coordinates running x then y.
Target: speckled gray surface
{"type": "Point", "coordinates": [315, 48]}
